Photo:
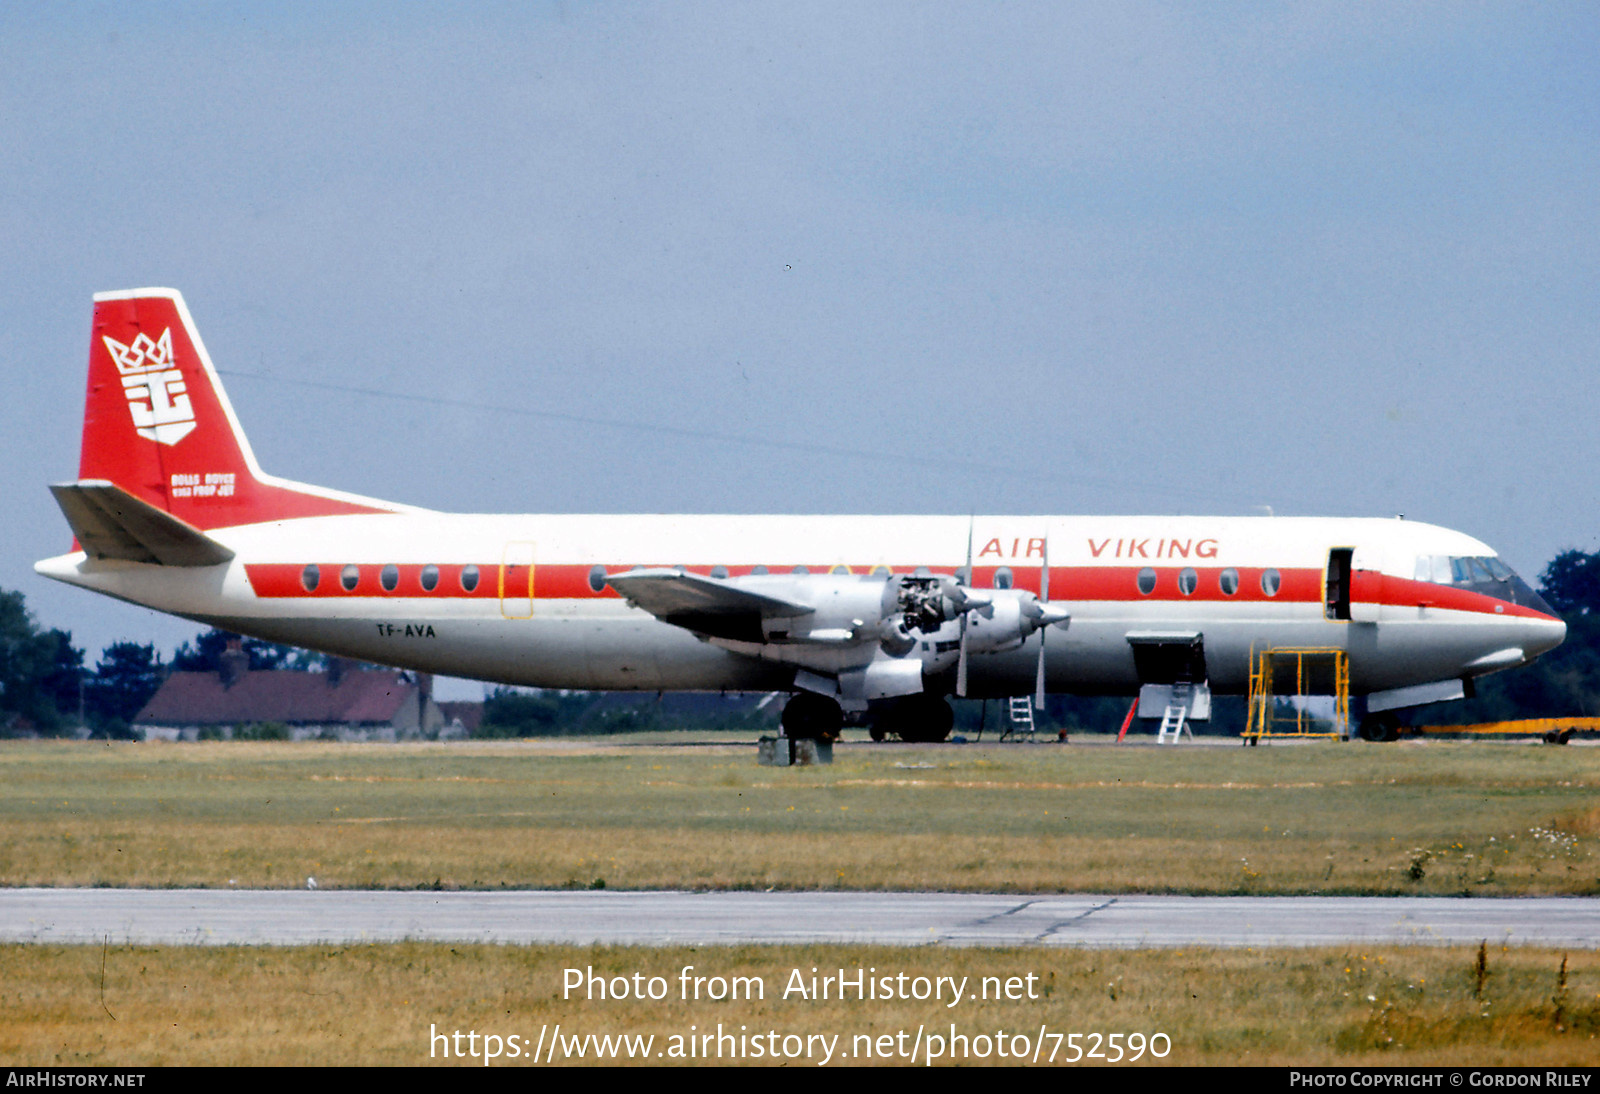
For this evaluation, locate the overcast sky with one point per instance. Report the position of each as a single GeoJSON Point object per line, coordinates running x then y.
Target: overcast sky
{"type": "Point", "coordinates": [791, 257]}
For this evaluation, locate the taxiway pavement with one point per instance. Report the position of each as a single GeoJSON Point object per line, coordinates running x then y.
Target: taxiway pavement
{"type": "Point", "coordinates": [293, 917]}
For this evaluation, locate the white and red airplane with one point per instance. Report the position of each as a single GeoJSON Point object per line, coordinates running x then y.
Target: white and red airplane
{"type": "Point", "coordinates": [879, 617]}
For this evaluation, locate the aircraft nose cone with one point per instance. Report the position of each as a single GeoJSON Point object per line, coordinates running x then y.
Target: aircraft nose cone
{"type": "Point", "coordinates": [1544, 636]}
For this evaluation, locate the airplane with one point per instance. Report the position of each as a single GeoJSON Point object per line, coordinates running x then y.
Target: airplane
{"type": "Point", "coordinates": [877, 619]}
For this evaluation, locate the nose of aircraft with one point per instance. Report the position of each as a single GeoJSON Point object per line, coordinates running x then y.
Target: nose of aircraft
{"type": "Point", "coordinates": [1543, 636]}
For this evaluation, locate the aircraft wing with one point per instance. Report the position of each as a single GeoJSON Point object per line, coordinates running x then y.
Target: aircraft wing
{"type": "Point", "coordinates": [670, 593]}
{"type": "Point", "coordinates": [111, 523]}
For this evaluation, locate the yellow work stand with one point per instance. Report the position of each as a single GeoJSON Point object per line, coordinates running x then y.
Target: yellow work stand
{"type": "Point", "coordinates": [1296, 670]}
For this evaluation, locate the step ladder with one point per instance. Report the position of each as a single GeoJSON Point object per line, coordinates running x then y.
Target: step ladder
{"type": "Point", "coordinates": [1020, 720]}
{"type": "Point", "coordinates": [1175, 719]}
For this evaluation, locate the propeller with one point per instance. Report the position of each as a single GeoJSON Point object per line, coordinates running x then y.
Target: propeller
{"type": "Point", "coordinates": [1038, 614]}
{"type": "Point", "coordinates": [1046, 615]}
{"type": "Point", "coordinates": [1044, 626]}
{"type": "Point", "coordinates": [965, 598]}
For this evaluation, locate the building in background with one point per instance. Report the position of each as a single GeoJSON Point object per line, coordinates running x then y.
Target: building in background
{"type": "Point", "coordinates": [342, 703]}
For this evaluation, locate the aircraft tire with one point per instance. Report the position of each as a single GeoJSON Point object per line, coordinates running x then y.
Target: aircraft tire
{"type": "Point", "coordinates": [1380, 727]}
{"type": "Point", "coordinates": [809, 715]}
{"type": "Point", "coordinates": [925, 719]}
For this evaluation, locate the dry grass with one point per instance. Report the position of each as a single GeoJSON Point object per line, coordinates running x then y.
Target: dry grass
{"type": "Point", "coordinates": [1488, 819]}
{"type": "Point", "coordinates": [377, 1004]}
{"type": "Point", "coordinates": [1434, 818]}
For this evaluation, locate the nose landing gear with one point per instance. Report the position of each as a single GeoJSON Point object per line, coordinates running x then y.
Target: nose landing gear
{"type": "Point", "coordinates": [1380, 727]}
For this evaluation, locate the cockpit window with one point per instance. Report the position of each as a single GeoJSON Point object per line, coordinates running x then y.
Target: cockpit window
{"type": "Point", "coordinates": [1434, 569]}
{"type": "Point", "coordinates": [1484, 574]}
{"type": "Point", "coordinates": [1462, 570]}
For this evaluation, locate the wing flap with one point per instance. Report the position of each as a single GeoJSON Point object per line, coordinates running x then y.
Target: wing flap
{"type": "Point", "coordinates": [111, 523]}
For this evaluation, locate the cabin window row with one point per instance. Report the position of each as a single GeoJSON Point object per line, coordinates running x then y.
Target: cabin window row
{"type": "Point", "coordinates": [468, 578]}
{"type": "Point", "coordinates": [1227, 581]}
{"type": "Point", "coordinates": [388, 578]}
{"type": "Point", "coordinates": [1003, 577]}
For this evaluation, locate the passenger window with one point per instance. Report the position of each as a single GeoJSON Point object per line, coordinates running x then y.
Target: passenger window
{"type": "Point", "coordinates": [389, 577]}
{"type": "Point", "coordinates": [759, 571]}
{"type": "Point", "coordinates": [1271, 582]}
{"type": "Point", "coordinates": [310, 577]}
{"type": "Point", "coordinates": [349, 576]}
{"type": "Point", "coordinates": [1147, 580]}
{"type": "Point", "coordinates": [469, 578]}
{"type": "Point", "coordinates": [1228, 581]}
{"type": "Point", "coordinates": [1003, 578]}
{"type": "Point", "coordinates": [1188, 581]}
{"type": "Point", "coordinates": [597, 577]}
{"type": "Point", "coordinates": [801, 570]}
{"type": "Point", "coordinates": [841, 568]}
{"type": "Point", "coordinates": [430, 578]}
{"type": "Point", "coordinates": [719, 572]}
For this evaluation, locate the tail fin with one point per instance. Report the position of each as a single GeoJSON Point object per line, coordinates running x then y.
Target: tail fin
{"type": "Point", "coordinates": [157, 424]}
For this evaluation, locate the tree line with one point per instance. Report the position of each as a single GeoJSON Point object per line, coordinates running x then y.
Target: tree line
{"type": "Point", "coordinates": [46, 686]}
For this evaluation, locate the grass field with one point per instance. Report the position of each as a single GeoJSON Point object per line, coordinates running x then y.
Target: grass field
{"type": "Point", "coordinates": [1413, 818]}
{"type": "Point", "coordinates": [132, 1006]}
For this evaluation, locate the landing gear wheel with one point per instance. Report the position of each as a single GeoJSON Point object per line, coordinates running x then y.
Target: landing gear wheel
{"type": "Point", "coordinates": [924, 719]}
{"type": "Point", "coordinates": [809, 715]}
{"type": "Point", "coordinates": [876, 731]}
{"type": "Point", "coordinates": [1380, 727]}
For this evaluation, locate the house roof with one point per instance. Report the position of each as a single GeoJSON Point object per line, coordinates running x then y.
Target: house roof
{"type": "Point", "coordinates": [362, 696]}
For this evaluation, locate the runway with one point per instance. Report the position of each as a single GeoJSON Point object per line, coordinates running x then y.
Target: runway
{"type": "Point", "coordinates": [291, 917]}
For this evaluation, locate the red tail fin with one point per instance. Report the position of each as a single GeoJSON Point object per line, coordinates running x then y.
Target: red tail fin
{"type": "Point", "coordinates": [157, 423]}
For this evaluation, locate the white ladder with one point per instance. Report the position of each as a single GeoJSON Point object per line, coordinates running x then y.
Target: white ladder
{"type": "Point", "coordinates": [1175, 719]}
{"type": "Point", "coordinates": [1021, 718]}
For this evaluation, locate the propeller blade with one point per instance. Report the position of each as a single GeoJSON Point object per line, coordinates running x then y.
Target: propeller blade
{"type": "Point", "coordinates": [1044, 575]}
{"type": "Point", "coordinates": [1038, 682]}
{"type": "Point", "coordinates": [961, 661]}
{"type": "Point", "coordinates": [1044, 624]}
{"type": "Point", "coordinates": [961, 657]}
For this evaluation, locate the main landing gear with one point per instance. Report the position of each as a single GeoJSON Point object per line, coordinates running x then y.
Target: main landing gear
{"type": "Point", "coordinates": [923, 719]}
{"type": "Point", "coordinates": [809, 715]}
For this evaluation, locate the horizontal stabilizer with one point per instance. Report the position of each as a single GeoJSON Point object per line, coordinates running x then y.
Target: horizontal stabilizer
{"type": "Point", "coordinates": [111, 523]}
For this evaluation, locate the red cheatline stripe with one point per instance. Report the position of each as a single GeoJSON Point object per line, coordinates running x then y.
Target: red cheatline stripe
{"type": "Point", "coordinates": [1075, 583]}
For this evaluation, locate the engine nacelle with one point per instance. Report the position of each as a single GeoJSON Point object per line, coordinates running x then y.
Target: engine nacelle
{"type": "Point", "coordinates": [1003, 625]}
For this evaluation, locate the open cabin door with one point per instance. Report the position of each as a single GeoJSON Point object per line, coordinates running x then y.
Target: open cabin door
{"type": "Point", "coordinates": [1336, 583]}
{"type": "Point", "coordinates": [1352, 585]}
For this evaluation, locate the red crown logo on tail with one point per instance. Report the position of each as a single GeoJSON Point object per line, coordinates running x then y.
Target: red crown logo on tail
{"type": "Point", "coordinates": [147, 363]}
{"type": "Point", "coordinates": [153, 383]}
